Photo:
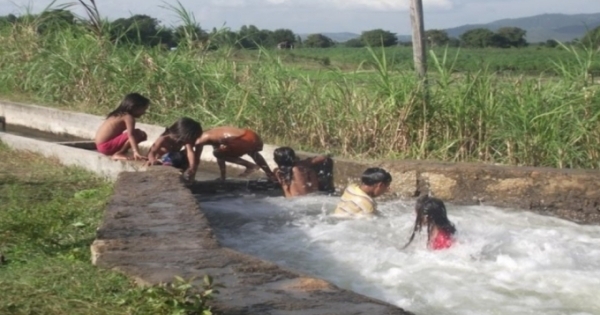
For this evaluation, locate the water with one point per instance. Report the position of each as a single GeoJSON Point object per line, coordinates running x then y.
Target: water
{"type": "Point", "coordinates": [505, 262]}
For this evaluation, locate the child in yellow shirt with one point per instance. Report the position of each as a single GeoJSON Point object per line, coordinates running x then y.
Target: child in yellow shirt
{"type": "Point", "coordinates": [358, 199]}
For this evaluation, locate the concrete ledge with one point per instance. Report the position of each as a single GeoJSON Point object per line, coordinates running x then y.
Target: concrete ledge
{"type": "Point", "coordinates": [569, 194]}
{"type": "Point", "coordinates": [153, 230]}
{"type": "Point", "coordinates": [86, 159]}
{"type": "Point", "coordinates": [85, 125]}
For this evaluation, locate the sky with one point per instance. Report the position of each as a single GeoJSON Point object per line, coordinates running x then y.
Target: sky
{"type": "Point", "coordinates": [322, 16]}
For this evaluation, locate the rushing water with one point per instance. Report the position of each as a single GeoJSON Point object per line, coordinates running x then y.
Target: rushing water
{"type": "Point", "coordinates": [505, 262]}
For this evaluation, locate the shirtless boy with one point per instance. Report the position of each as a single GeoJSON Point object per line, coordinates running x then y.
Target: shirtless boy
{"type": "Point", "coordinates": [230, 144]}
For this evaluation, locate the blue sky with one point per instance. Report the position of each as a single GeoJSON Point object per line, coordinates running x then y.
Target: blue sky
{"type": "Point", "coordinates": [313, 16]}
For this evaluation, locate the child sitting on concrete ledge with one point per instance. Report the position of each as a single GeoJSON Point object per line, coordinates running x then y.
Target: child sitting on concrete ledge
{"type": "Point", "coordinates": [117, 134]}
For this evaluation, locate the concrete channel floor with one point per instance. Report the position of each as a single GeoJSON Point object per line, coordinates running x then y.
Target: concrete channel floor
{"type": "Point", "coordinates": [154, 229]}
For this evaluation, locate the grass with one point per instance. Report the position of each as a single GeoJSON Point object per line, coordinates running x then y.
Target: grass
{"type": "Point", "coordinates": [48, 219]}
{"type": "Point", "coordinates": [472, 113]}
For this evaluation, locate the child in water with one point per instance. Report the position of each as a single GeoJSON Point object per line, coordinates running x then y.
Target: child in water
{"type": "Point", "coordinates": [117, 134]}
{"type": "Point", "coordinates": [167, 149]}
{"type": "Point", "coordinates": [358, 199]}
{"type": "Point", "coordinates": [432, 213]}
{"type": "Point", "coordinates": [301, 177]}
{"type": "Point", "coordinates": [230, 144]}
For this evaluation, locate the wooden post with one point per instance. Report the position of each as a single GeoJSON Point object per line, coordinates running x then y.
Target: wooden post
{"type": "Point", "coordinates": [418, 38]}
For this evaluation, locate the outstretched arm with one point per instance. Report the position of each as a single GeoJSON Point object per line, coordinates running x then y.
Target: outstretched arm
{"type": "Point", "coordinates": [193, 155]}
{"type": "Point", "coordinates": [318, 159]}
{"type": "Point", "coordinates": [130, 125]}
{"type": "Point", "coordinates": [154, 152]}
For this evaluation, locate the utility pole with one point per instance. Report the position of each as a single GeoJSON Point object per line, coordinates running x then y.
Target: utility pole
{"type": "Point", "coordinates": [418, 38]}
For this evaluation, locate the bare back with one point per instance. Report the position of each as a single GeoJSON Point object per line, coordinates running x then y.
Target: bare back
{"type": "Point", "coordinates": [304, 180]}
{"type": "Point", "coordinates": [216, 135]}
{"type": "Point", "coordinates": [110, 128]}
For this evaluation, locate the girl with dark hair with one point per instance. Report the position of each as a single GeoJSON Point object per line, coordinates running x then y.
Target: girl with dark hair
{"type": "Point", "coordinates": [117, 134]}
{"type": "Point", "coordinates": [431, 212]}
{"type": "Point", "coordinates": [167, 149]}
{"type": "Point", "coordinates": [301, 177]}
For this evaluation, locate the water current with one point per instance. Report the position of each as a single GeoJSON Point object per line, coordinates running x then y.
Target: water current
{"type": "Point", "coordinates": [505, 262]}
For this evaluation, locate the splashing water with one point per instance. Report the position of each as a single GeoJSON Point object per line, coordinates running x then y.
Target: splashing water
{"type": "Point", "coordinates": [505, 262]}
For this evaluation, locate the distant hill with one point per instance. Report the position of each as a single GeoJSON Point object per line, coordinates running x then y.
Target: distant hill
{"type": "Point", "coordinates": [562, 27]}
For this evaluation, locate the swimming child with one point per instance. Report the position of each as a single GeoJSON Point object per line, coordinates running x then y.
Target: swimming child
{"type": "Point", "coordinates": [432, 213]}
{"type": "Point", "coordinates": [167, 149]}
{"type": "Point", "coordinates": [358, 199]}
{"type": "Point", "coordinates": [301, 177]}
{"type": "Point", "coordinates": [117, 134]}
{"type": "Point", "coordinates": [230, 144]}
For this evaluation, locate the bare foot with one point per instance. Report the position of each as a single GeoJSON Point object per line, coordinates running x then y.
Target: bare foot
{"type": "Point", "coordinates": [249, 170]}
{"type": "Point", "coordinates": [120, 157]}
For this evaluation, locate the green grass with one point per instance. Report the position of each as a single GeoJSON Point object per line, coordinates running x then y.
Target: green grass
{"type": "Point", "coordinates": [473, 112]}
{"type": "Point", "coordinates": [48, 219]}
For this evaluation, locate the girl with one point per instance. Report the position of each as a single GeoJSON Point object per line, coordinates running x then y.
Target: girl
{"type": "Point", "coordinates": [166, 150]}
{"type": "Point", "coordinates": [117, 134]}
{"type": "Point", "coordinates": [432, 213]}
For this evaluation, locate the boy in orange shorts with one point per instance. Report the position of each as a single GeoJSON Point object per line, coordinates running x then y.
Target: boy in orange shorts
{"type": "Point", "coordinates": [230, 144]}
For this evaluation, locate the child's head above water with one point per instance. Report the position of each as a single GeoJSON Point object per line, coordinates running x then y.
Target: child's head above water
{"type": "Point", "coordinates": [431, 212]}
{"type": "Point", "coordinates": [375, 181]}
{"type": "Point", "coordinates": [184, 130]}
{"type": "Point", "coordinates": [284, 156]}
{"type": "Point", "coordinates": [133, 104]}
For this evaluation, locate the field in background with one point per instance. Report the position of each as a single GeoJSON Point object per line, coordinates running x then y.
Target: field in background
{"type": "Point", "coordinates": [543, 113]}
{"type": "Point", "coordinates": [533, 60]}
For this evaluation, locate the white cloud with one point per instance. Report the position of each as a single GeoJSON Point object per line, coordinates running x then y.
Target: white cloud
{"type": "Point", "coordinates": [371, 5]}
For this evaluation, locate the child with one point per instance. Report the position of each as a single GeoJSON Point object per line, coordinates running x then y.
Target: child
{"type": "Point", "coordinates": [118, 134]}
{"type": "Point", "coordinates": [166, 150]}
{"type": "Point", "coordinates": [432, 212]}
{"type": "Point", "coordinates": [358, 200]}
{"type": "Point", "coordinates": [230, 143]}
{"type": "Point", "coordinates": [301, 177]}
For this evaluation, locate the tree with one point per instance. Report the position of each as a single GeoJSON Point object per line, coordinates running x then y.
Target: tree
{"type": "Point", "coordinates": [250, 37]}
{"type": "Point", "coordinates": [591, 38]}
{"type": "Point", "coordinates": [437, 37]}
{"type": "Point", "coordinates": [355, 43]}
{"type": "Point", "coordinates": [551, 43]}
{"type": "Point", "coordinates": [379, 37]}
{"type": "Point", "coordinates": [189, 34]}
{"type": "Point", "coordinates": [283, 35]}
{"type": "Point", "coordinates": [140, 29]}
{"type": "Point", "coordinates": [318, 41]}
{"type": "Point", "coordinates": [510, 37]}
{"type": "Point", "coordinates": [479, 37]}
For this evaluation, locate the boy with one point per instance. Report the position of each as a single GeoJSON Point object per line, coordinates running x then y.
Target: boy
{"type": "Point", "coordinates": [229, 144]}
{"type": "Point", "coordinates": [358, 200]}
{"type": "Point", "coordinates": [301, 177]}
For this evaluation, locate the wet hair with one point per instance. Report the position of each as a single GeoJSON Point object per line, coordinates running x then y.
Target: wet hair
{"type": "Point", "coordinates": [184, 130]}
{"type": "Point", "coordinates": [285, 158]}
{"type": "Point", "coordinates": [375, 175]}
{"type": "Point", "coordinates": [130, 103]}
{"type": "Point", "coordinates": [434, 210]}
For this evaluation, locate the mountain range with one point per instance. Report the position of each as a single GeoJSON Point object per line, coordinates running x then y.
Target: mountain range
{"type": "Point", "coordinates": [562, 27]}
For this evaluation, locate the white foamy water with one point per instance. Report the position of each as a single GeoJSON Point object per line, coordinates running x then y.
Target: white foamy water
{"type": "Point", "coordinates": [504, 262]}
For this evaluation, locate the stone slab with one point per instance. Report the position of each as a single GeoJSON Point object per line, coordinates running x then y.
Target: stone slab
{"type": "Point", "coordinates": [153, 229]}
